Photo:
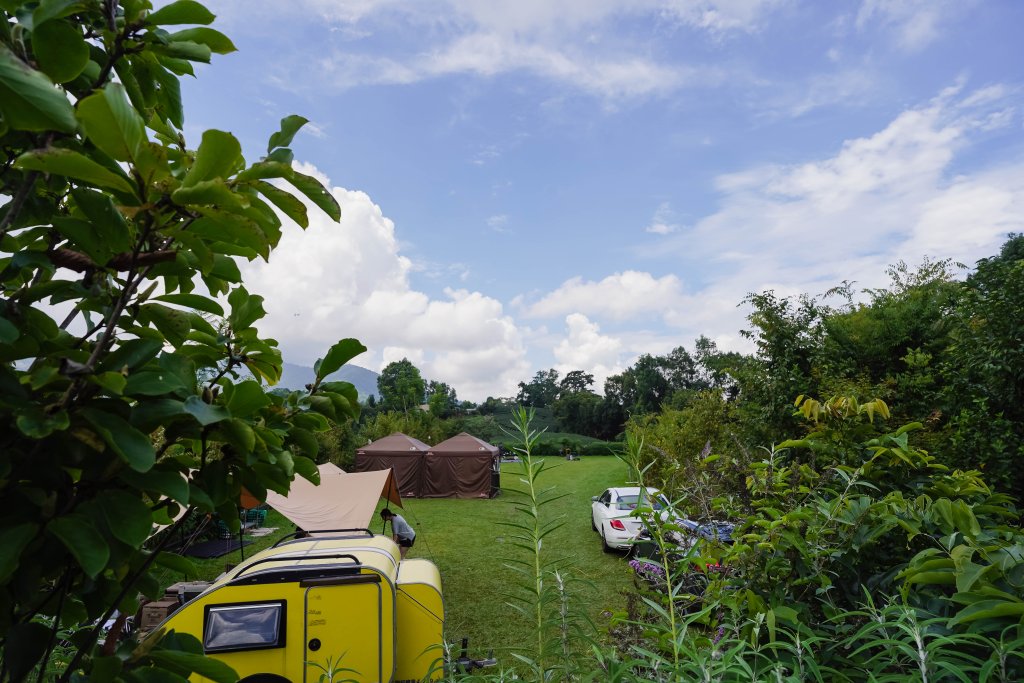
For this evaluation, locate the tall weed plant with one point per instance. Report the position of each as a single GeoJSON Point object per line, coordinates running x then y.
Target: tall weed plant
{"type": "Point", "coordinates": [545, 592]}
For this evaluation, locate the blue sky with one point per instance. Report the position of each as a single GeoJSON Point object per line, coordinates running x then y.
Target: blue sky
{"type": "Point", "coordinates": [530, 184]}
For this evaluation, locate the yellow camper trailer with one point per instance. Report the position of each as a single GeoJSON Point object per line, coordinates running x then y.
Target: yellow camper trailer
{"type": "Point", "coordinates": [339, 602]}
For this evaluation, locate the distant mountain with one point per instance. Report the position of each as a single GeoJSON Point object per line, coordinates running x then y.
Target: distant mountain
{"type": "Point", "coordinates": [296, 377]}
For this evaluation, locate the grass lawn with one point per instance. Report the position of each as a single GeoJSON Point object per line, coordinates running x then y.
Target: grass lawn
{"type": "Point", "coordinates": [466, 540]}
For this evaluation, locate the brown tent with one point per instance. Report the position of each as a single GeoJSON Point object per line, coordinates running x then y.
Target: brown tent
{"type": "Point", "coordinates": [460, 467]}
{"type": "Point", "coordinates": [399, 452]}
{"type": "Point", "coordinates": [341, 501]}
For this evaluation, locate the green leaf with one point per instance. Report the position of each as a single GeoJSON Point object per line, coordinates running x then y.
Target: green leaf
{"type": "Point", "coordinates": [112, 123]}
{"type": "Point", "coordinates": [131, 354]}
{"type": "Point", "coordinates": [288, 203]}
{"type": "Point", "coordinates": [147, 415]}
{"type": "Point", "coordinates": [169, 96]}
{"type": "Point", "coordinates": [8, 332]}
{"type": "Point", "coordinates": [60, 50]}
{"type": "Point", "coordinates": [36, 424]}
{"type": "Point", "coordinates": [28, 99]}
{"type": "Point", "coordinates": [24, 647]}
{"type": "Point", "coordinates": [77, 534]}
{"type": "Point", "coordinates": [307, 443]}
{"type": "Point", "coordinates": [324, 406]}
{"type": "Point", "coordinates": [213, 39]}
{"type": "Point", "coordinates": [168, 483]}
{"type": "Point", "coordinates": [180, 12]}
{"type": "Point", "coordinates": [107, 222]}
{"type": "Point", "coordinates": [290, 125]}
{"type": "Point", "coordinates": [55, 9]}
{"type": "Point", "coordinates": [988, 609]}
{"type": "Point", "coordinates": [114, 382]}
{"type": "Point", "coordinates": [128, 518]}
{"type": "Point", "coordinates": [207, 667]}
{"type": "Point", "coordinates": [218, 156]}
{"type": "Point", "coordinates": [71, 164]}
{"type": "Point", "coordinates": [172, 323]}
{"type": "Point", "coordinates": [203, 412]}
{"type": "Point", "coordinates": [239, 434]}
{"type": "Point", "coordinates": [339, 354]}
{"type": "Point", "coordinates": [306, 468]}
{"type": "Point", "coordinates": [193, 301]}
{"type": "Point", "coordinates": [245, 398]}
{"type": "Point", "coordinates": [317, 193]}
{"type": "Point", "coordinates": [245, 309]}
{"type": "Point", "coordinates": [265, 169]}
{"type": "Point", "coordinates": [133, 446]}
{"type": "Point", "coordinates": [208, 192]}
{"type": "Point", "coordinates": [177, 563]}
{"type": "Point", "coordinates": [186, 50]}
{"type": "Point", "coordinates": [12, 541]}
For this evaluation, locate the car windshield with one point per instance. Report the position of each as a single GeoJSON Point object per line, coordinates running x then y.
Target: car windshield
{"type": "Point", "coordinates": [630, 502]}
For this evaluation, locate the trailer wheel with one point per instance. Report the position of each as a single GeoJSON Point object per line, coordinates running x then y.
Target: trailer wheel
{"type": "Point", "coordinates": [264, 678]}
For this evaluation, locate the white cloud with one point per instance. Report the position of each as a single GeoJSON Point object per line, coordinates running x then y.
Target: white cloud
{"type": "Point", "coordinates": [574, 43]}
{"type": "Point", "coordinates": [350, 280]}
{"type": "Point", "coordinates": [585, 348]}
{"type": "Point", "coordinates": [661, 223]}
{"type": "Point", "coordinates": [498, 223]}
{"type": "Point", "coordinates": [490, 54]}
{"type": "Point", "coordinates": [914, 23]}
{"type": "Point", "coordinates": [721, 16]}
{"type": "Point", "coordinates": [894, 195]}
{"type": "Point", "coordinates": [619, 296]}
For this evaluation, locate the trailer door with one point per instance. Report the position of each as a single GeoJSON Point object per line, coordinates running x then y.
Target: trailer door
{"type": "Point", "coordinates": [344, 629]}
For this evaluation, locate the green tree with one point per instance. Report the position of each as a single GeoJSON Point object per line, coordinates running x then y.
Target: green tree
{"type": "Point", "coordinates": [441, 399]}
{"type": "Point", "coordinates": [577, 412]}
{"type": "Point", "coordinates": [130, 407]}
{"type": "Point", "coordinates": [574, 382]}
{"type": "Point", "coordinates": [541, 391]}
{"type": "Point", "coordinates": [401, 386]}
{"type": "Point", "coordinates": [983, 371]}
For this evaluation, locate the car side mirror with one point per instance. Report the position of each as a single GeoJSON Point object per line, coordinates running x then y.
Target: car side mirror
{"type": "Point", "coordinates": [593, 498]}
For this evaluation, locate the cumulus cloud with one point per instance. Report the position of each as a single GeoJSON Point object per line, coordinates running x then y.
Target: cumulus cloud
{"type": "Point", "coordinates": [585, 348]}
{"type": "Point", "coordinates": [898, 194]}
{"type": "Point", "coordinates": [350, 280]}
{"type": "Point", "coordinates": [619, 296]}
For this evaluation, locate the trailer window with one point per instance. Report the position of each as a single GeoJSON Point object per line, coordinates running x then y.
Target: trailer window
{"type": "Point", "coordinates": [251, 626]}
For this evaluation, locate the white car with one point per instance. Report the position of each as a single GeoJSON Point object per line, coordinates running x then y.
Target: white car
{"type": "Point", "coordinates": [612, 514]}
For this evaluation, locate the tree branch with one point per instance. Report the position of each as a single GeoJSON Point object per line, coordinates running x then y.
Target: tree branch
{"type": "Point", "coordinates": [14, 208]}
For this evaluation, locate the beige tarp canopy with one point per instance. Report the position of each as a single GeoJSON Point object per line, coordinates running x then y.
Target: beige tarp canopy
{"type": "Point", "coordinates": [341, 501]}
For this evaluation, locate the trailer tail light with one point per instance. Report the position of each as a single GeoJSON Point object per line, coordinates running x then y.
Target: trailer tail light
{"type": "Point", "coordinates": [617, 525]}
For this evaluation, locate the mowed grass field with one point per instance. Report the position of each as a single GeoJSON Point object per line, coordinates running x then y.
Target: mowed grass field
{"type": "Point", "coordinates": [469, 544]}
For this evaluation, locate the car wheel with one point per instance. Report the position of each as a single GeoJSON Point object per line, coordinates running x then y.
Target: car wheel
{"type": "Point", "coordinates": [604, 545]}
{"type": "Point", "coordinates": [592, 525]}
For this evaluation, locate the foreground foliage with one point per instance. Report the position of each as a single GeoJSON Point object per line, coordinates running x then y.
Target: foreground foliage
{"type": "Point", "coordinates": [856, 557]}
{"type": "Point", "coordinates": [131, 370]}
